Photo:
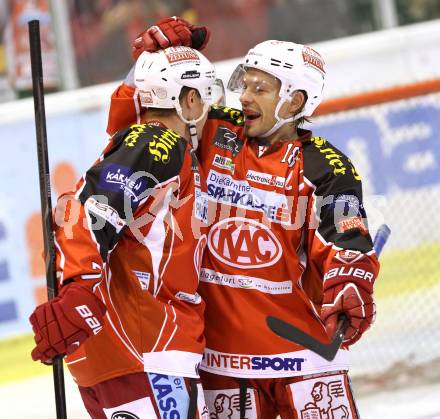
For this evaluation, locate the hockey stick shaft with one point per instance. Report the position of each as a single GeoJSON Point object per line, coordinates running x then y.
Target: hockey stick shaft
{"type": "Point", "coordinates": [45, 196]}
{"type": "Point", "coordinates": [381, 237]}
{"type": "Point", "coordinates": [326, 350]}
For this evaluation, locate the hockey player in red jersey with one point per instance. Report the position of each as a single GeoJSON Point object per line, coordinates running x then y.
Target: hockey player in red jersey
{"type": "Point", "coordinates": [289, 239]}
{"type": "Point", "coordinates": [128, 315]}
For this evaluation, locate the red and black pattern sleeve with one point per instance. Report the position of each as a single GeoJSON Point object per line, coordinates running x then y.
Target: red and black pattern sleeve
{"type": "Point", "coordinates": [337, 236]}
{"type": "Point", "coordinates": [112, 191]}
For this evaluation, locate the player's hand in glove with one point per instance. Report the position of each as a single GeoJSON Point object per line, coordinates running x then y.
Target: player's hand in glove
{"type": "Point", "coordinates": [353, 297]}
{"type": "Point", "coordinates": [171, 31]}
{"type": "Point", "coordinates": [63, 323]}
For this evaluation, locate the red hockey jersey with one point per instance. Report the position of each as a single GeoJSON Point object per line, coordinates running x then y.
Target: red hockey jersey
{"type": "Point", "coordinates": [126, 233]}
{"type": "Point", "coordinates": [287, 215]}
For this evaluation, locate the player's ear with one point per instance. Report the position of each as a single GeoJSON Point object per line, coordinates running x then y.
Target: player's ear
{"type": "Point", "coordinates": [194, 97]}
{"type": "Point", "coordinates": [297, 102]}
{"type": "Point", "coordinates": [189, 100]}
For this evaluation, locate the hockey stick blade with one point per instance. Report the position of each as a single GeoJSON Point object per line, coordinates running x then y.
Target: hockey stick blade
{"type": "Point", "coordinates": [326, 350]}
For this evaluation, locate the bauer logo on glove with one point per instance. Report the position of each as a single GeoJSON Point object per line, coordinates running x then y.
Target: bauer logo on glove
{"type": "Point", "coordinates": [65, 322]}
{"type": "Point", "coordinates": [348, 289]}
{"type": "Point", "coordinates": [87, 315]}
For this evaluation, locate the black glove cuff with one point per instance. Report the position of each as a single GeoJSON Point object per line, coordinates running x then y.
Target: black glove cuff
{"type": "Point", "coordinates": [198, 38]}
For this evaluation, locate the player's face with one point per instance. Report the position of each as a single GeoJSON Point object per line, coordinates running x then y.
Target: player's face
{"type": "Point", "coordinates": [259, 99]}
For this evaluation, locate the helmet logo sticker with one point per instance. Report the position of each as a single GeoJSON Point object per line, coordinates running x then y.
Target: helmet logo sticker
{"type": "Point", "coordinates": [313, 58]}
{"type": "Point", "coordinates": [190, 74]}
{"type": "Point", "coordinates": [176, 54]}
{"type": "Point", "coordinates": [160, 92]}
{"type": "Point", "coordinates": [147, 98]}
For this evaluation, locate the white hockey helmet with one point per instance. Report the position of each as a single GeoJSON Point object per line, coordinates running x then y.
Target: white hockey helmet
{"type": "Point", "coordinates": [296, 66]}
{"type": "Point", "coordinates": [160, 76]}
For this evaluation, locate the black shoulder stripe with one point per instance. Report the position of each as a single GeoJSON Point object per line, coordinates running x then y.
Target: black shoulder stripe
{"type": "Point", "coordinates": [140, 159]}
{"type": "Point", "coordinates": [322, 159]}
{"type": "Point", "coordinates": [343, 220]}
{"type": "Point", "coordinates": [142, 156]}
{"type": "Point", "coordinates": [227, 114]}
{"type": "Point", "coordinates": [119, 136]}
{"type": "Point", "coordinates": [148, 146]}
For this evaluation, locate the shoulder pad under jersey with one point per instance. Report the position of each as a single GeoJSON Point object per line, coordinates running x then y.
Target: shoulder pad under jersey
{"type": "Point", "coordinates": [159, 142]}
{"type": "Point", "coordinates": [223, 113]}
{"type": "Point", "coordinates": [157, 150]}
{"type": "Point", "coordinates": [324, 160]}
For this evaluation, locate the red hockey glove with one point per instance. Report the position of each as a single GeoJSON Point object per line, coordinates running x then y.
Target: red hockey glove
{"type": "Point", "coordinates": [352, 295]}
{"type": "Point", "coordinates": [172, 31]}
{"type": "Point", "coordinates": [63, 323]}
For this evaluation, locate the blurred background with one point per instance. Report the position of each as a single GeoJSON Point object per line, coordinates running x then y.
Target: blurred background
{"type": "Point", "coordinates": [381, 107]}
{"type": "Point", "coordinates": [78, 34]}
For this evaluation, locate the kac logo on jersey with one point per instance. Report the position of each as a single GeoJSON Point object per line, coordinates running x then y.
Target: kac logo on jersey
{"type": "Point", "coordinates": [171, 395]}
{"type": "Point", "coordinates": [244, 243]}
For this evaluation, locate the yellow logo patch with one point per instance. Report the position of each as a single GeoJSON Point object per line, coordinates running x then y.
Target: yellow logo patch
{"type": "Point", "coordinates": [136, 130]}
{"type": "Point", "coordinates": [333, 158]}
{"type": "Point", "coordinates": [161, 146]}
{"type": "Point", "coordinates": [235, 114]}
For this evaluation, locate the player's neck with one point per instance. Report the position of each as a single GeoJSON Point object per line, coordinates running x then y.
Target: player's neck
{"type": "Point", "coordinates": [172, 122]}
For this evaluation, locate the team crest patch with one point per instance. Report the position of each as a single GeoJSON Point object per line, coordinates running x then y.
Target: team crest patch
{"type": "Point", "coordinates": [225, 404]}
{"type": "Point", "coordinates": [227, 140]}
{"type": "Point", "coordinates": [321, 398]}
